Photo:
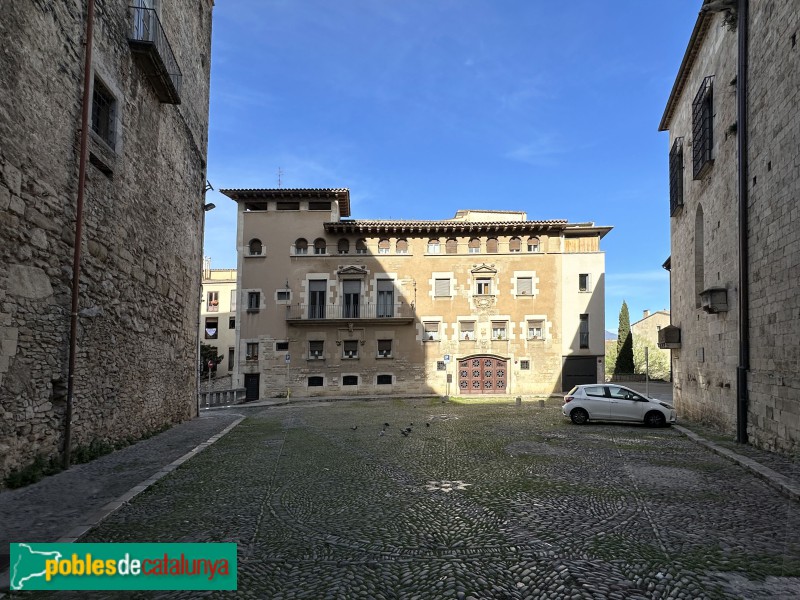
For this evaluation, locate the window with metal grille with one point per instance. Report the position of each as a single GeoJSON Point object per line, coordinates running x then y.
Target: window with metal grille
{"type": "Point", "coordinates": [431, 331]}
{"type": "Point", "coordinates": [350, 380]}
{"type": "Point", "coordinates": [441, 287]}
{"type": "Point", "coordinates": [525, 286]}
{"type": "Point", "coordinates": [281, 346]}
{"type": "Point", "coordinates": [676, 177]}
{"type": "Point", "coordinates": [499, 330]}
{"type": "Point", "coordinates": [441, 365]}
{"type": "Point", "coordinates": [491, 245]}
{"type": "Point", "coordinates": [104, 113]}
{"type": "Point", "coordinates": [525, 365]}
{"type": "Point", "coordinates": [703, 128]}
{"type": "Point", "coordinates": [451, 246]}
{"type": "Point", "coordinates": [383, 246]}
{"type": "Point", "coordinates": [253, 300]}
{"type": "Point", "coordinates": [315, 348]}
{"type": "Point", "coordinates": [384, 348]}
{"type": "Point", "coordinates": [401, 247]}
{"type": "Point", "coordinates": [514, 244]}
{"type": "Point", "coordinates": [316, 381]}
{"type": "Point", "coordinates": [350, 349]}
{"type": "Point", "coordinates": [467, 330]}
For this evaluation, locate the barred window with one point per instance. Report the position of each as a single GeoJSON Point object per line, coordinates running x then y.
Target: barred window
{"type": "Point", "coordinates": [104, 113]}
{"type": "Point", "coordinates": [676, 177]}
{"type": "Point", "coordinates": [703, 128]}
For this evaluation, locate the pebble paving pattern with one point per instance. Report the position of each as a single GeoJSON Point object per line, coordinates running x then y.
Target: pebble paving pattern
{"type": "Point", "coordinates": [477, 501]}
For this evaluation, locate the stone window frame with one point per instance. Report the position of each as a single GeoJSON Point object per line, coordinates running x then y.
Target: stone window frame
{"type": "Point", "coordinates": [105, 112]}
{"type": "Point", "coordinates": [383, 353]}
{"type": "Point", "coordinates": [345, 376]}
{"type": "Point", "coordinates": [255, 244]}
{"type": "Point", "coordinates": [380, 379]}
{"type": "Point", "coordinates": [288, 296]}
{"type": "Point", "coordinates": [525, 364]}
{"type": "Point", "coordinates": [318, 381]}
{"type": "Point", "coordinates": [499, 329]}
{"type": "Point", "coordinates": [251, 350]}
{"type": "Point", "coordinates": [253, 300]}
{"type": "Point", "coordinates": [462, 333]}
{"type": "Point", "coordinates": [703, 128]}
{"type": "Point", "coordinates": [429, 335]}
{"type": "Point", "coordinates": [350, 350]}
{"type": "Point", "coordinates": [537, 318]}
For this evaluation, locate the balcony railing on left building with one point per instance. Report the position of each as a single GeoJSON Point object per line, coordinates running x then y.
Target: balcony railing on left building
{"type": "Point", "coordinates": [153, 52]}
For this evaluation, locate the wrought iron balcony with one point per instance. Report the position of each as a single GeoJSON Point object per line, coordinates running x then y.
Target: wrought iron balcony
{"type": "Point", "coordinates": [152, 50]}
{"type": "Point", "coordinates": [382, 312]}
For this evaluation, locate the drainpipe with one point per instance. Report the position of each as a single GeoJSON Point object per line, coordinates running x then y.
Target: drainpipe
{"type": "Point", "coordinates": [744, 271]}
{"type": "Point", "coordinates": [76, 258]}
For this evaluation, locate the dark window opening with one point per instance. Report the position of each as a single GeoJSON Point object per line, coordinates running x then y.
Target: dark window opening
{"type": "Point", "coordinates": [703, 128]}
{"type": "Point", "coordinates": [384, 380]}
{"type": "Point", "coordinates": [584, 331]}
{"type": "Point", "coordinates": [350, 380]}
{"type": "Point", "coordinates": [231, 322]}
{"type": "Point", "coordinates": [255, 247]}
{"type": "Point", "coordinates": [384, 348]}
{"type": "Point", "coordinates": [315, 381]}
{"type": "Point", "coordinates": [253, 300]}
{"type": "Point", "coordinates": [315, 348]}
{"type": "Point", "coordinates": [288, 206]}
{"type": "Point", "coordinates": [104, 113]}
{"type": "Point", "coordinates": [212, 328]}
{"type": "Point", "coordinates": [281, 346]}
{"type": "Point", "coordinates": [676, 177]}
{"type": "Point", "coordinates": [319, 206]}
{"type": "Point", "coordinates": [525, 365]}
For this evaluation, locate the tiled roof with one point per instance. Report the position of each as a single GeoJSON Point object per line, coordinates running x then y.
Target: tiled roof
{"type": "Point", "coordinates": [358, 226]}
{"type": "Point", "coordinates": [340, 194]}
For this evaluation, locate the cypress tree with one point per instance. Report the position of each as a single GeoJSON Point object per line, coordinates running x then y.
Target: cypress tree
{"type": "Point", "coordinates": [624, 342]}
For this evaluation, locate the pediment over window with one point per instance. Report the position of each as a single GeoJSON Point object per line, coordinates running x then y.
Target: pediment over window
{"type": "Point", "coordinates": [352, 271]}
{"type": "Point", "coordinates": [484, 268]}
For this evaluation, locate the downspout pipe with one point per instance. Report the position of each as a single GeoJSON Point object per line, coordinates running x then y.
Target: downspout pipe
{"type": "Point", "coordinates": [76, 257]}
{"type": "Point", "coordinates": [744, 269]}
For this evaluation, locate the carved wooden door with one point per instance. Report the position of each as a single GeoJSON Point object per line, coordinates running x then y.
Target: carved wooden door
{"type": "Point", "coordinates": [482, 375]}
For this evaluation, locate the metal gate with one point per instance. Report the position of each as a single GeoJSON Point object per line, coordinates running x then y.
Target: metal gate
{"type": "Point", "coordinates": [482, 375]}
{"type": "Point", "coordinates": [578, 370]}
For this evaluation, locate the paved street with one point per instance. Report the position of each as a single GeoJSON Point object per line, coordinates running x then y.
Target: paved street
{"type": "Point", "coordinates": [481, 501]}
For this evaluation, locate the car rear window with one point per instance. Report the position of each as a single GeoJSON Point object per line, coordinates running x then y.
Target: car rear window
{"type": "Point", "coordinates": [595, 391]}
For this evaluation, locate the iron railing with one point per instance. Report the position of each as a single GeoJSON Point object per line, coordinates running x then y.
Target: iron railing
{"type": "Point", "coordinates": [676, 177]}
{"type": "Point", "coordinates": [349, 311]}
{"type": "Point", "coordinates": [703, 127]}
{"type": "Point", "coordinates": [147, 37]}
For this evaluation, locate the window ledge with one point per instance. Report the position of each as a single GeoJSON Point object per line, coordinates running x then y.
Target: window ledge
{"type": "Point", "coordinates": [255, 255]}
{"type": "Point", "coordinates": [390, 357]}
{"type": "Point", "coordinates": [431, 341]}
{"type": "Point", "coordinates": [253, 310]}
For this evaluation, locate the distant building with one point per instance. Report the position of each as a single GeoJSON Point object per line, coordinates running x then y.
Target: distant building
{"type": "Point", "coordinates": [734, 156]}
{"type": "Point", "coordinates": [145, 166]}
{"type": "Point", "coordinates": [649, 325]}
{"type": "Point", "coordinates": [484, 303]}
{"type": "Point", "coordinates": [218, 315]}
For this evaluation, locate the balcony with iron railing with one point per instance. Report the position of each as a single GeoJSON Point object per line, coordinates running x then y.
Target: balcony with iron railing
{"type": "Point", "coordinates": [152, 50]}
{"type": "Point", "coordinates": [397, 313]}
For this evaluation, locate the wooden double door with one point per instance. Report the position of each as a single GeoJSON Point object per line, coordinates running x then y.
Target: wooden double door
{"type": "Point", "coordinates": [482, 375]}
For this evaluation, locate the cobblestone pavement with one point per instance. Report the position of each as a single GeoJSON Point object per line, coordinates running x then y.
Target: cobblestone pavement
{"type": "Point", "coordinates": [477, 501]}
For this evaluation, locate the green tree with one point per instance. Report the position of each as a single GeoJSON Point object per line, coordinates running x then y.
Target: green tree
{"type": "Point", "coordinates": [209, 353]}
{"type": "Point", "coordinates": [657, 358]}
{"type": "Point", "coordinates": [624, 342]}
{"type": "Point", "coordinates": [611, 359]}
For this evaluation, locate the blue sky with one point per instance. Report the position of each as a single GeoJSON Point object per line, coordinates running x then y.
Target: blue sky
{"type": "Point", "coordinates": [423, 107]}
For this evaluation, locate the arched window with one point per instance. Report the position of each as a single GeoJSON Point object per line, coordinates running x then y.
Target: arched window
{"type": "Point", "coordinates": [361, 246]}
{"type": "Point", "coordinates": [320, 246]}
{"type": "Point", "coordinates": [474, 246]}
{"type": "Point", "coordinates": [301, 246]}
{"type": "Point", "coordinates": [451, 246]}
{"type": "Point", "coordinates": [383, 246]}
{"type": "Point", "coordinates": [699, 265]}
{"type": "Point", "coordinates": [514, 244]}
{"type": "Point", "coordinates": [433, 246]}
{"type": "Point", "coordinates": [401, 247]}
{"type": "Point", "coordinates": [533, 244]}
{"type": "Point", "coordinates": [255, 247]}
{"type": "Point", "coordinates": [344, 246]}
{"type": "Point", "coordinates": [491, 245]}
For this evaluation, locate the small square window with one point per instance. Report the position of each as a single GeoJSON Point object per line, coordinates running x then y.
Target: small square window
{"type": "Point", "coordinates": [441, 365]}
{"type": "Point", "coordinates": [535, 329]}
{"type": "Point", "coordinates": [483, 286]}
{"type": "Point", "coordinates": [467, 330]}
{"type": "Point", "coordinates": [525, 365]}
{"type": "Point", "coordinates": [284, 295]}
{"type": "Point", "coordinates": [499, 330]}
{"type": "Point", "coordinates": [441, 288]}
{"type": "Point", "coordinates": [281, 346]}
{"type": "Point", "coordinates": [315, 348]}
{"type": "Point", "coordinates": [231, 322]}
{"type": "Point", "coordinates": [350, 349]}
{"type": "Point", "coordinates": [524, 286]}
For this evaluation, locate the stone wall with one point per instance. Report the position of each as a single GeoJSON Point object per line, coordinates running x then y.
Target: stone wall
{"type": "Point", "coordinates": [774, 227]}
{"type": "Point", "coordinates": [139, 300]}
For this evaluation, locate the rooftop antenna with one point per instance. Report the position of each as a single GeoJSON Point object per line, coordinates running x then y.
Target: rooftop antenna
{"type": "Point", "coordinates": [280, 173]}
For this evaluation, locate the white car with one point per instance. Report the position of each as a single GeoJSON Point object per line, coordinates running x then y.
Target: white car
{"type": "Point", "coordinates": [611, 402]}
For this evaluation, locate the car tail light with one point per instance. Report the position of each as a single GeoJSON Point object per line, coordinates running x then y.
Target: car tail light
{"type": "Point", "coordinates": [568, 398]}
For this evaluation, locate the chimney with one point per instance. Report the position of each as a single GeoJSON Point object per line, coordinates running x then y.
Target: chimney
{"type": "Point", "coordinates": [646, 314]}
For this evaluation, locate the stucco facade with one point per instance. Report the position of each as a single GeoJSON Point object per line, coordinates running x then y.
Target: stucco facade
{"type": "Point", "coordinates": [141, 247]}
{"type": "Point", "coordinates": [705, 228]}
{"type": "Point", "coordinates": [332, 306]}
{"type": "Point", "coordinates": [218, 315]}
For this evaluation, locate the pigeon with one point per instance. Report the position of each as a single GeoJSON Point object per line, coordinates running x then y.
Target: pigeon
{"type": "Point", "coordinates": [427, 424]}
{"type": "Point", "coordinates": [385, 424]}
{"type": "Point", "coordinates": [404, 433]}
{"type": "Point", "coordinates": [381, 432]}
{"type": "Point", "coordinates": [354, 427]}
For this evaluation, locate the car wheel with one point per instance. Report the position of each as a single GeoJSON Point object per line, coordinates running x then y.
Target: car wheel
{"type": "Point", "coordinates": [579, 416]}
{"type": "Point", "coordinates": [655, 419]}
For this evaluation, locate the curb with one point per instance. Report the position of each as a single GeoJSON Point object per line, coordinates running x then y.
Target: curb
{"type": "Point", "coordinates": [780, 482]}
{"type": "Point", "coordinates": [94, 519]}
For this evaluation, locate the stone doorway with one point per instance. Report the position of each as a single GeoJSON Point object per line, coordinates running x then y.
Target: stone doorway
{"type": "Point", "coordinates": [482, 375]}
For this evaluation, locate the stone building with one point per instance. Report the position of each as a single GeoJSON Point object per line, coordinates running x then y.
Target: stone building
{"type": "Point", "coordinates": [143, 152]}
{"type": "Point", "coordinates": [486, 302]}
{"type": "Point", "coordinates": [218, 315]}
{"type": "Point", "coordinates": [734, 165]}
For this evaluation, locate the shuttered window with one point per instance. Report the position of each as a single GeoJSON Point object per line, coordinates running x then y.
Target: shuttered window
{"type": "Point", "coordinates": [441, 287]}
{"type": "Point", "coordinates": [524, 286]}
